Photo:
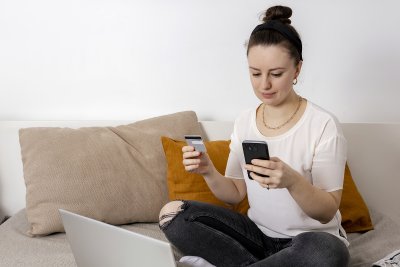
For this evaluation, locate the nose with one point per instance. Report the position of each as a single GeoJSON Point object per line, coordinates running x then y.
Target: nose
{"type": "Point", "coordinates": [266, 83]}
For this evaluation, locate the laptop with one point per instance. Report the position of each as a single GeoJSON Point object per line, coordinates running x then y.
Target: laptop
{"type": "Point", "coordinates": [95, 243]}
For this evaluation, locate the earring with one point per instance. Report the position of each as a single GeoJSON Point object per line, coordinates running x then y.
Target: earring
{"type": "Point", "coordinates": [295, 81]}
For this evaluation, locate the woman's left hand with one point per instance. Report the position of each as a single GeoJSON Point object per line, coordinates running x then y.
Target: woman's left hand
{"type": "Point", "coordinates": [280, 174]}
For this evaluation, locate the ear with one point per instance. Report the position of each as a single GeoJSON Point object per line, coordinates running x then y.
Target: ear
{"type": "Point", "coordinates": [298, 69]}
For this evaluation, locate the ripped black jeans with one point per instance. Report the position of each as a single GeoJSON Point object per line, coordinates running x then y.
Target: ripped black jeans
{"type": "Point", "coordinates": [226, 238]}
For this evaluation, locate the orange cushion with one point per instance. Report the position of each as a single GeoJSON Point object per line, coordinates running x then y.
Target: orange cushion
{"type": "Point", "coordinates": [190, 186]}
{"type": "Point", "coordinates": [355, 214]}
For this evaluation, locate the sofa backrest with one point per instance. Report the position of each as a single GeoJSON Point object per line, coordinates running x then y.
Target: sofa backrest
{"type": "Point", "coordinates": [373, 157]}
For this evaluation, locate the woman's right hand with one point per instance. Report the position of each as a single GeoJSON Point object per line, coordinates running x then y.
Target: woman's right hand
{"type": "Point", "coordinates": [195, 161]}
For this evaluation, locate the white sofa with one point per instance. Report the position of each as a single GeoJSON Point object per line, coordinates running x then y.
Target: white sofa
{"type": "Point", "coordinates": [373, 158]}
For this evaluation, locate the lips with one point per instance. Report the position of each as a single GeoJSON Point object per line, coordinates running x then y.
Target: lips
{"type": "Point", "coordinates": [267, 95]}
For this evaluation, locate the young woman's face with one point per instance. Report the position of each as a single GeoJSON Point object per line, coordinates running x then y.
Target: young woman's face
{"type": "Point", "coordinates": [272, 72]}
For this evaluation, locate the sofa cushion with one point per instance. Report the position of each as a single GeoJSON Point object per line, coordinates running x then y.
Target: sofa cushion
{"type": "Point", "coordinates": [17, 249]}
{"type": "Point", "coordinates": [112, 174]}
{"type": "Point", "coordinates": [185, 185]}
{"type": "Point", "coordinates": [355, 214]}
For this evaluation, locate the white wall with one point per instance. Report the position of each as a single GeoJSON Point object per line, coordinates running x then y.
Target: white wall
{"type": "Point", "coordinates": [120, 59]}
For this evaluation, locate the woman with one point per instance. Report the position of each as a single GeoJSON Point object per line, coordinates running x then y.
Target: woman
{"type": "Point", "coordinates": [293, 218]}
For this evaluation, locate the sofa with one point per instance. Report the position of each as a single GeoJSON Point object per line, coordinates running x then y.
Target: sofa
{"type": "Point", "coordinates": [31, 161]}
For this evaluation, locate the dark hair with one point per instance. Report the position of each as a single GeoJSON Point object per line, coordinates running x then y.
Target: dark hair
{"type": "Point", "coordinates": [269, 37]}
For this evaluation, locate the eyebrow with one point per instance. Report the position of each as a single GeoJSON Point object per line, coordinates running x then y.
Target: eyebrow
{"type": "Point", "coordinates": [279, 68]}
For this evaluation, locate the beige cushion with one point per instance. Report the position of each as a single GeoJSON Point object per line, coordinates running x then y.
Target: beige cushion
{"type": "Point", "coordinates": [112, 174]}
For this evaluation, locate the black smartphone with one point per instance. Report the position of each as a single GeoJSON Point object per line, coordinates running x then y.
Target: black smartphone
{"type": "Point", "coordinates": [255, 150]}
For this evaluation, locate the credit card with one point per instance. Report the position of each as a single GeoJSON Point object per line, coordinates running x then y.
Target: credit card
{"type": "Point", "coordinates": [196, 141]}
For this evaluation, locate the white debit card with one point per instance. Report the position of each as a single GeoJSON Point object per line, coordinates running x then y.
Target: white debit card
{"type": "Point", "coordinates": [196, 141]}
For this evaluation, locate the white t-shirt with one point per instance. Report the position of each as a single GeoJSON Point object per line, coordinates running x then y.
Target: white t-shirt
{"type": "Point", "coordinates": [315, 147]}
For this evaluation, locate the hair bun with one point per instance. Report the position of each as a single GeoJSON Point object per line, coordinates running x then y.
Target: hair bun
{"type": "Point", "coordinates": [281, 13]}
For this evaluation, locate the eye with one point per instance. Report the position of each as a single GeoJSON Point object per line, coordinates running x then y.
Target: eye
{"type": "Point", "coordinates": [256, 74]}
{"type": "Point", "coordinates": [276, 74]}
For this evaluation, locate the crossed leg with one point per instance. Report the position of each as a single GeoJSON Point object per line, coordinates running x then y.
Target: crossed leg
{"type": "Point", "coordinates": [219, 235]}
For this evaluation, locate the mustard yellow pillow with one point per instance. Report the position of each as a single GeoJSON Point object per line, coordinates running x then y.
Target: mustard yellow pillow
{"type": "Point", "coordinates": [355, 214]}
{"type": "Point", "coordinates": [191, 186]}
{"type": "Point", "coordinates": [184, 185]}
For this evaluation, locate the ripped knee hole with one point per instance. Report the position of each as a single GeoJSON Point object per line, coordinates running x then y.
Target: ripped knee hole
{"type": "Point", "coordinates": [169, 211]}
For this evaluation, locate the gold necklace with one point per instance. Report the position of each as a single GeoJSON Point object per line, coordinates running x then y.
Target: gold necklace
{"type": "Point", "coordinates": [286, 122]}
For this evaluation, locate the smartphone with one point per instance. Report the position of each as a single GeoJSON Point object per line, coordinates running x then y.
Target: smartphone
{"type": "Point", "coordinates": [196, 141]}
{"type": "Point", "coordinates": [255, 150]}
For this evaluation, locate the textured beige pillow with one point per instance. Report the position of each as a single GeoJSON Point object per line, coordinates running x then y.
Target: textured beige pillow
{"type": "Point", "coordinates": [112, 174]}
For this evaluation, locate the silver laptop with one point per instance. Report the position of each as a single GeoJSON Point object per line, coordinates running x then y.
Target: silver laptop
{"type": "Point", "coordinates": [95, 243]}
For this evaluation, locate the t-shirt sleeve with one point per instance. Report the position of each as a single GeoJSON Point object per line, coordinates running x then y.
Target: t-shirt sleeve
{"type": "Point", "coordinates": [330, 159]}
{"type": "Point", "coordinates": [234, 164]}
